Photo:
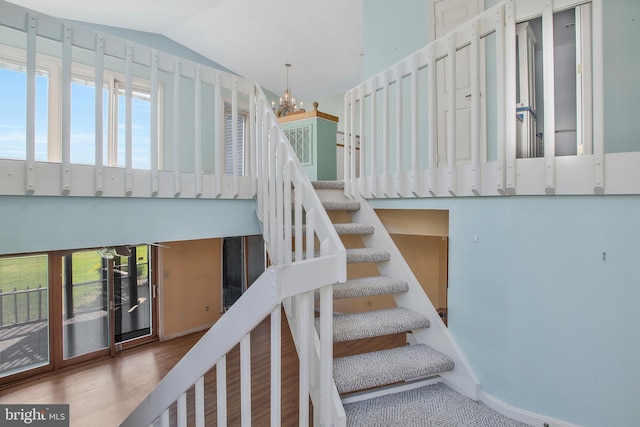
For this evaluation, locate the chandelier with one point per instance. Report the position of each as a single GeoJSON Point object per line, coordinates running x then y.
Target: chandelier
{"type": "Point", "coordinates": [287, 102]}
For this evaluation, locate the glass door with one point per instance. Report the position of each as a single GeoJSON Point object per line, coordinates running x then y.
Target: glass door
{"type": "Point", "coordinates": [132, 295]}
{"type": "Point", "coordinates": [85, 304]}
{"type": "Point", "coordinates": [24, 313]}
{"type": "Point", "coordinates": [106, 299]}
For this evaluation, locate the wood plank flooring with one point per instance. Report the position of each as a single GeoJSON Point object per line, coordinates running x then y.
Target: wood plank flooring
{"type": "Point", "coordinates": [104, 392]}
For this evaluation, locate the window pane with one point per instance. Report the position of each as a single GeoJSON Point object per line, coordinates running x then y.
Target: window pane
{"type": "Point", "coordinates": [13, 113]}
{"type": "Point", "coordinates": [132, 289]}
{"type": "Point", "coordinates": [84, 303]}
{"type": "Point", "coordinates": [140, 134]}
{"type": "Point", "coordinates": [83, 123]}
{"type": "Point", "coordinates": [24, 313]}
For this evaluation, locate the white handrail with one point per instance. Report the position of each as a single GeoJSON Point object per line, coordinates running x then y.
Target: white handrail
{"type": "Point", "coordinates": [282, 186]}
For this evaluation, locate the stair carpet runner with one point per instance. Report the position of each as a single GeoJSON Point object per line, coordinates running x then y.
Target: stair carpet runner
{"type": "Point", "coordinates": [362, 372]}
{"type": "Point", "coordinates": [385, 367]}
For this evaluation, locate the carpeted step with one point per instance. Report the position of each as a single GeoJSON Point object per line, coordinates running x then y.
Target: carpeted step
{"type": "Point", "coordinates": [357, 255]}
{"type": "Point", "coordinates": [343, 229]}
{"type": "Point", "coordinates": [431, 405]}
{"type": "Point", "coordinates": [368, 286]}
{"type": "Point", "coordinates": [368, 324]}
{"type": "Point", "coordinates": [328, 185]}
{"type": "Point", "coordinates": [353, 228]}
{"type": "Point", "coordinates": [384, 367]}
{"type": "Point", "coordinates": [342, 205]}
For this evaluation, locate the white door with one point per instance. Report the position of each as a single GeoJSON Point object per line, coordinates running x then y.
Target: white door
{"type": "Point", "coordinates": [447, 15]}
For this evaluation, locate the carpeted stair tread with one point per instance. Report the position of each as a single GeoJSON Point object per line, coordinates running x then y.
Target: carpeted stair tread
{"type": "Point", "coordinates": [431, 405]}
{"type": "Point", "coordinates": [357, 255]}
{"type": "Point", "coordinates": [328, 185]}
{"type": "Point", "coordinates": [353, 228]}
{"type": "Point", "coordinates": [376, 323]}
{"type": "Point", "coordinates": [368, 286]}
{"type": "Point", "coordinates": [343, 205]}
{"type": "Point", "coordinates": [384, 367]}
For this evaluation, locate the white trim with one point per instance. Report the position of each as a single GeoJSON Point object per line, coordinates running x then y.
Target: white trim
{"type": "Point", "coordinates": [520, 414]}
{"type": "Point", "coordinates": [186, 332]}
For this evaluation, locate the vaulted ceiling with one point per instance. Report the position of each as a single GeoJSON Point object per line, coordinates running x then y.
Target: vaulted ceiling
{"type": "Point", "coordinates": [322, 39]}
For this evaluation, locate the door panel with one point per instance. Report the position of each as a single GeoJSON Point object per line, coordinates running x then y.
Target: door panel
{"type": "Point", "coordinates": [132, 295]}
{"type": "Point", "coordinates": [85, 314]}
{"type": "Point", "coordinates": [463, 107]}
{"type": "Point", "coordinates": [448, 14]}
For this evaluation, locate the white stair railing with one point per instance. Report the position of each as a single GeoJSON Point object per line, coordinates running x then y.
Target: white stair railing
{"type": "Point", "coordinates": [307, 255]}
{"type": "Point", "coordinates": [410, 145]}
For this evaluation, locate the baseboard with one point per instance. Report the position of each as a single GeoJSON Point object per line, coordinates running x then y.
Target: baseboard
{"type": "Point", "coordinates": [187, 332]}
{"type": "Point", "coordinates": [521, 415]}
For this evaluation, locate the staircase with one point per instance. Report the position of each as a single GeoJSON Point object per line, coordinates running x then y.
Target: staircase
{"type": "Point", "coordinates": [387, 371]}
{"type": "Point", "coordinates": [405, 384]}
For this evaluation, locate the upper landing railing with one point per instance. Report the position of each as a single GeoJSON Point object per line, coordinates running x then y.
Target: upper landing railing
{"type": "Point", "coordinates": [485, 70]}
{"type": "Point", "coordinates": [187, 149]}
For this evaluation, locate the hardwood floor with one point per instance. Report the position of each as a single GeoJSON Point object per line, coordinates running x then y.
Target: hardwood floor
{"type": "Point", "coordinates": [104, 392]}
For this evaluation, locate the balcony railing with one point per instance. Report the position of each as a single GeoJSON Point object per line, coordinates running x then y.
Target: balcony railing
{"type": "Point", "coordinates": [411, 145]}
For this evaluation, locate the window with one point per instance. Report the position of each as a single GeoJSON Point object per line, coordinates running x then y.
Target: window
{"type": "Point", "coordinates": [300, 140]}
{"type": "Point", "coordinates": [243, 261]}
{"type": "Point", "coordinates": [241, 126]}
{"type": "Point", "coordinates": [13, 111]}
{"type": "Point", "coordinates": [13, 116]}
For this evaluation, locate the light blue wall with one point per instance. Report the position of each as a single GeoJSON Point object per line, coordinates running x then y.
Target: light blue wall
{"type": "Point", "coordinates": [32, 224]}
{"type": "Point", "coordinates": [621, 62]}
{"type": "Point", "coordinates": [547, 324]}
{"type": "Point", "coordinates": [393, 30]}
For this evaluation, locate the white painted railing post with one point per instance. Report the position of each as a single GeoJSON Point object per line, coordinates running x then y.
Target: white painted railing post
{"type": "Point", "coordinates": [452, 128]}
{"type": "Point", "coordinates": [502, 112]}
{"type": "Point", "coordinates": [177, 77]}
{"type": "Point", "coordinates": [66, 110]}
{"type": "Point", "coordinates": [326, 349]}
{"type": "Point", "coordinates": [385, 134]}
{"type": "Point", "coordinates": [415, 127]}
{"type": "Point", "coordinates": [399, 188]}
{"type": "Point", "coordinates": [128, 126]}
{"type": "Point", "coordinates": [373, 190]}
{"type": "Point", "coordinates": [182, 410]}
{"type": "Point", "coordinates": [432, 185]}
{"type": "Point", "coordinates": [99, 113]}
{"type": "Point", "coordinates": [200, 402]}
{"type": "Point", "coordinates": [475, 108]}
{"type": "Point", "coordinates": [218, 112]}
{"type": "Point", "coordinates": [245, 381]}
{"type": "Point", "coordinates": [276, 367]}
{"type": "Point", "coordinates": [362, 176]}
{"type": "Point", "coordinates": [155, 177]}
{"type": "Point", "coordinates": [598, 96]}
{"type": "Point", "coordinates": [548, 70]}
{"type": "Point", "coordinates": [346, 161]}
{"type": "Point", "coordinates": [250, 160]}
{"type": "Point", "coordinates": [234, 135]}
{"type": "Point", "coordinates": [30, 164]}
{"type": "Point", "coordinates": [352, 144]}
{"type": "Point", "coordinates": [221, 390]}
{"type": "Point", "coordinates": [198, 132]}
{"type": "Point", "coordinates": [510, 94]}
